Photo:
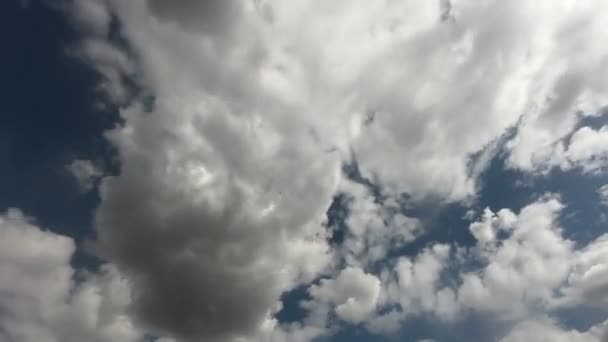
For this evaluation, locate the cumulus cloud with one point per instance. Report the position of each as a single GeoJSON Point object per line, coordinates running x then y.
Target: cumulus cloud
{"type": "Point", "coordinates": [524, 269]}
{"type": "Point", "coordinates": [414, 287]}
{"type": "Point", "coordinates": [226, 176]}
{"type": "Point", "coordinates": [41, 297]}
{"type": "Point", "coordinates": [588, 281]}
{"type": "Point", "coordinates": [353, 292]}
{"type": "Point", "coordinates": [588, 149]}
{"type": "Point", "coordinates": [373, 229]}
{"type": "Point", "coordinates": [485, 231]}
{"type": "Point", "coordinates": [521, 267]}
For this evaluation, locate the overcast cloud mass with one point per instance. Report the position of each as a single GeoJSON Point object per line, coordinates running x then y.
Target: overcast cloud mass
{"type": "Point", "coordinates": [327, 171]}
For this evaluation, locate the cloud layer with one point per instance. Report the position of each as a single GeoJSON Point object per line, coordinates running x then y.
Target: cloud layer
{"type": "Point", "coordinates": [237, 120]}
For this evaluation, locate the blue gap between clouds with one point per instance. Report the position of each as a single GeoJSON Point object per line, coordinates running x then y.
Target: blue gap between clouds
{"type": "Point", "coordinates": [48, 118]}
{"type": "Point", "coordinates": [500, 187]}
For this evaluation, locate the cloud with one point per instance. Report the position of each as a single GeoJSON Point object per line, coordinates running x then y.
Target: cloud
{"type": "Point", "coordinates": [524, 269]}
{"type": "Point", "coordinates": [85, 173]}
{"type": "Point", "coordinates": [226, 177]}
{"type": "Point", "coordinates": [91, 16]}
{"type": "Point", "coordinates": [588, 149]}
{"type": "Point", "coordinates": [418, 281]}
{"type": "Point", "coordinates": [588, 281]}
{"type": "Point", "coordinates": [373, 229]}
{"type": "Point", "coordinates": [540, 331]}
{"type": "Point", "coordinates": [93, 20]}
{"type": "Point", "coordinates": [40, 299]}
{"type": "Point", "coordinates": [353, 292]}
{"type": "Point", "coordinates": [398, 61]}
{"type": "Point", "coordinates": [603, 194]}
{"type": "Point", "coordinates": [414, 287]}
{"type": "Point", "coordinates": [485, 231]}
{"type": "Point", "coordinates": [209, 16]}
{"type": "Point", "coordinates": [521, 269]}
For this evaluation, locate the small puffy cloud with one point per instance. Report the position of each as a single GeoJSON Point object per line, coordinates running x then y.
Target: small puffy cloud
{"type": "Point", "coordinates": [353, 292]}
{"type": "Point", "coordinates": [41, 301]}
{"type": "Point", "coordinates": [485, 230]}
{"type": "Point", "coordinates": [85, 173]}
{"type": "Point", "coordinates": [603, 194]}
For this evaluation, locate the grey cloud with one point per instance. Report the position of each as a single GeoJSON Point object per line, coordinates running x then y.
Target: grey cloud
{"type": "Point", "coordinates": [40, 299]}
{"type": "Point", "coordinates": [85, 173]}
{"type": "Point", "coordinates": [209, 235]}
{"type": "Point", "coordinates": [206, 16]}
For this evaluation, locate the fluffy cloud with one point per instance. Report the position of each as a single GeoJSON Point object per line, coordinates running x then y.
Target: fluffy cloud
{"type": "Point", "coordinates": [223, 189]}
{"type": "Point", "coordinates": [414, 287]}
{"type": "Point", "coordinates": [418, 281]}
{"type": "Point", "coordinates": [523, 269]}
{"type": "Point", "coordinates": [41, 301]}
{"type": "Point", "coordinates": [588, 149]}
{"type": "Point", "coordinates": [353, 292]}
{"type": "Point", "coordinates": [485, 231]}
{"type": "Point", "coordinates": [373, 228]}
{"type": "Point", "coordinates": [588, 281]}
{"type": "Point", "coordinates": [380, 70]}
{"type": "Point", "coordinates": [233, 152]}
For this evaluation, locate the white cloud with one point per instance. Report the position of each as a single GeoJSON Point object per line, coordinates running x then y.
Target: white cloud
{"type": "Point", "coordinates": [85, 173]}
{"type": "Point", "coordinates": [373, 229]}
{"type": "Point", "coordinates": [588, 280]}
{"type": "Point", "coordinates": [603, 194]}
{"type": "Point", "coordinates": [588, 149]}
{"type": "Point", "coordinates": [415, 286]}
{"type": "Point", "coordinates": [39, 299]}
{"type": "Point", "coordinates": [396, 60]}
{"type": "Point", "coordinates": [485, 231]}
{"type": "Point", "coordinates": [225, 182]}
{"type": "Point", "coordinates": [523, 269]}
{"type": "Point", "coordinates": [571, 79]}
{"type": "Point", "coordinates": [353, 292]}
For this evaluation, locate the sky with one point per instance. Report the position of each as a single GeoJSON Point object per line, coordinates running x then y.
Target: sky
{"type": "Point", "coordinates": [303, 171]}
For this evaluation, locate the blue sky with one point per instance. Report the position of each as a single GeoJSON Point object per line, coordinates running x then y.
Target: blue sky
{"type": "Point", "coordinates": [209, 171]}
